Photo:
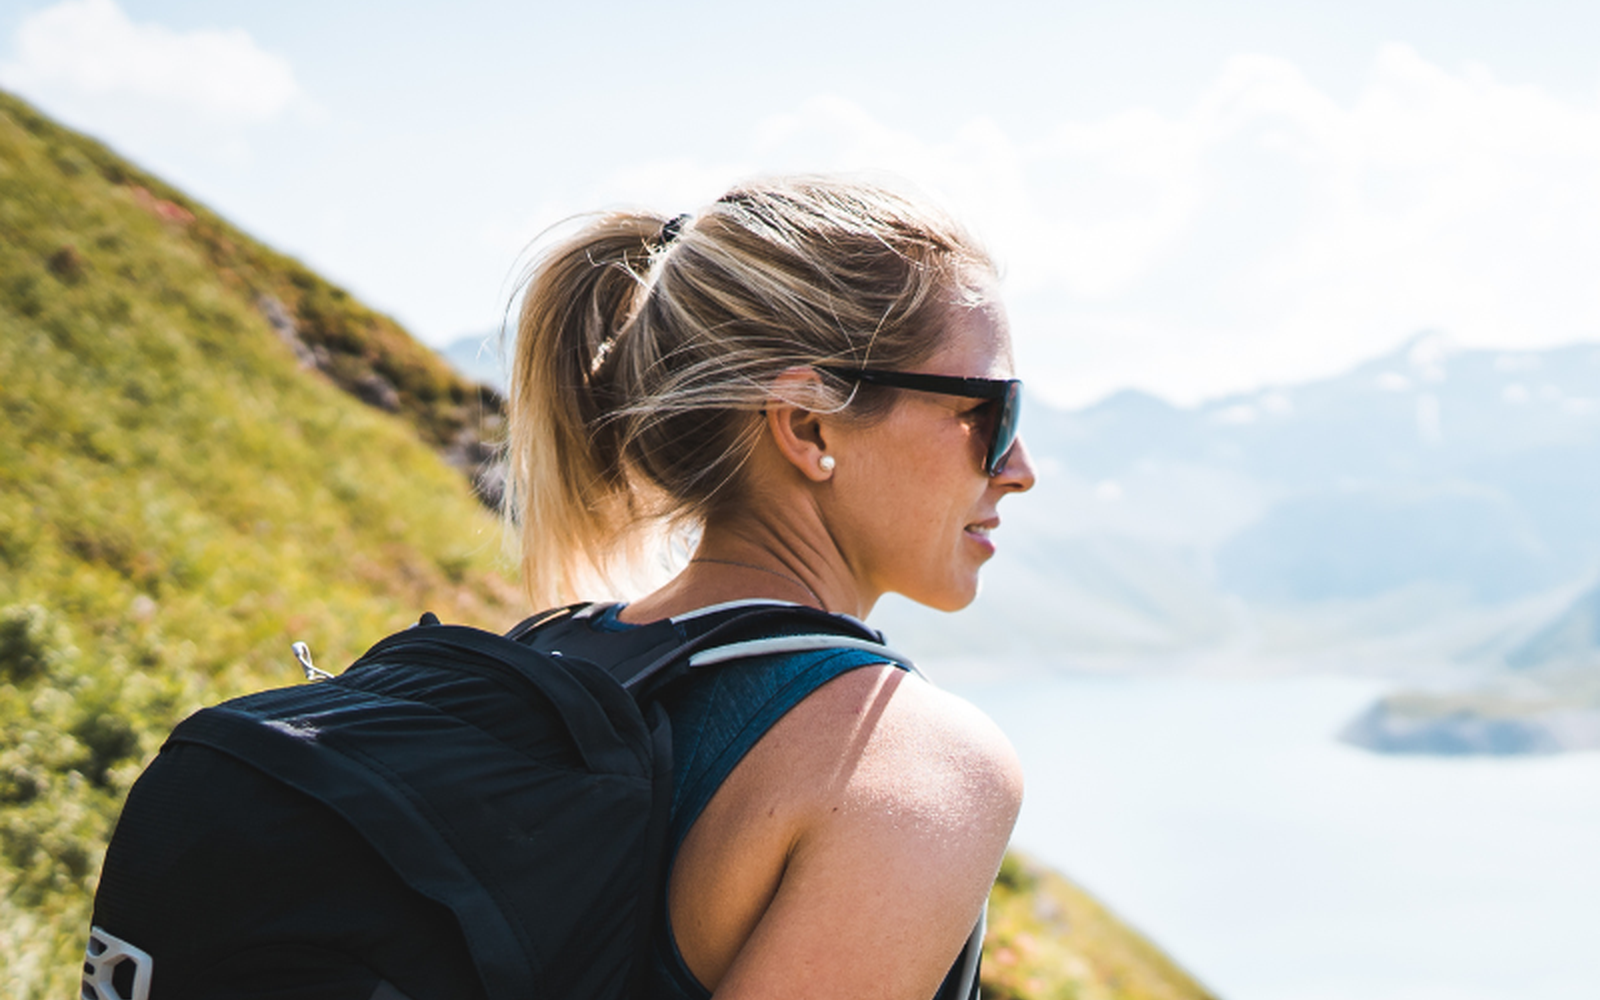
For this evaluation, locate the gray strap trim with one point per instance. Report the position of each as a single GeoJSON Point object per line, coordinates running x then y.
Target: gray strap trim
{"type": "Point", "coordinates": [749, 602]}
{"type": "Point", "coordinates": [794, 644]}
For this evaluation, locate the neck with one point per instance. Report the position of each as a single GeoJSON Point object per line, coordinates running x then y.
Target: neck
{"type": "Point", "coordinates": [778, 525]}
{"type": "Point", "coordinates": [815, 599]}
{"type": "Point", "coordinates": [748, 558]}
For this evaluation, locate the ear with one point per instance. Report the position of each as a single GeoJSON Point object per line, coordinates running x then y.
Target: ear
{"type": "Point", "coordinates": [801, 435]}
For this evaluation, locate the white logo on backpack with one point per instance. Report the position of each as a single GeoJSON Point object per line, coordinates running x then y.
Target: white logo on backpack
{"type": "Point", "coordinates": [104, 975]}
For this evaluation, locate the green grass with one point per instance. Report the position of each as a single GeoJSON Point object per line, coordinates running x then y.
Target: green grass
{"type": "Point", "coordinates": [180, 498]}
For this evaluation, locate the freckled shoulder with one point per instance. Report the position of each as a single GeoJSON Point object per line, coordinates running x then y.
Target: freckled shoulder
{"type": "Point", "coordinates": [879, 732]}
{"type": "Point", "coordinates": [929, 742]}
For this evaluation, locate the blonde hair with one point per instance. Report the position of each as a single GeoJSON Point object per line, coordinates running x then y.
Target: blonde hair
{"type": "Point", "coordinates": [645, 351]}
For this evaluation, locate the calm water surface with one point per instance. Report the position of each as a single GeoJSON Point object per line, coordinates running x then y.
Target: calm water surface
{"type": "Point", "coordinates": [1222, 818]}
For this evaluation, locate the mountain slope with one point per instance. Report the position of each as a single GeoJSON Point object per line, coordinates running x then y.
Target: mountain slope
{"type": "Point", "coordinates": [1569, 641]}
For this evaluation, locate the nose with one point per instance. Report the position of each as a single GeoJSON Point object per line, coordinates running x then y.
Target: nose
{"type": "Point", "coordinates": [1017, 474]}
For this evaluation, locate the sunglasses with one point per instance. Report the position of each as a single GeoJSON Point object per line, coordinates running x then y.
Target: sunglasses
{"type": "Point", "coordinates": [1004, 394]}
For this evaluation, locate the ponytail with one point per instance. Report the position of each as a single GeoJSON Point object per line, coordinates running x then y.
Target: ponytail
{"type": "Point", "coordinates": [566, 486]}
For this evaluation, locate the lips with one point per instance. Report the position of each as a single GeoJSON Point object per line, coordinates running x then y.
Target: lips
{"type": "Point", "coordinates": [983, 528]}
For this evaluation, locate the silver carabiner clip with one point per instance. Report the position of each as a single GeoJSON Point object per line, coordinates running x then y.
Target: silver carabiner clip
{"type": "Point", "coordinates": [302, 652]}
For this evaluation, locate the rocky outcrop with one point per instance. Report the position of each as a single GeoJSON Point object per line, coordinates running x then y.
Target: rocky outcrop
{"type": "Point", "coordinates": [1417, 726]}
{"type": "Point", "coordinates": [463, 421]}
{"type": "Point", "coordinates": [1550, 702]}
{"type": "Point", "coordinates": [482, 460]}
{"type": "Point", "coordinates": [283, 325]}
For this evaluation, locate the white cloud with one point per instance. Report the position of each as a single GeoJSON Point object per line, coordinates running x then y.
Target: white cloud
{"type": "Point", "coordinates": [90, 48]}
{"type": "Point", "coordinates": [1270, 233]}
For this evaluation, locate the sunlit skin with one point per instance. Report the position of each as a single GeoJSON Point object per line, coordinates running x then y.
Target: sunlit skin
{"type": "Point", "coordinates": [850, 852]}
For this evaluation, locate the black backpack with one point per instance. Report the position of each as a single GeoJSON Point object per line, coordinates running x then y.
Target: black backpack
{"type": "Point", "coordinates": [458, 815]}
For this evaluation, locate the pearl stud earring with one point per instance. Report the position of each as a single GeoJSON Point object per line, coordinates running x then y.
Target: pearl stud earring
{"type": "Point", "coordinates": [827, 462]}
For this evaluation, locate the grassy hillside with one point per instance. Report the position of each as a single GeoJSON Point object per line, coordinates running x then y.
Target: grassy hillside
{"type": "Point", "coordinates": [208, 452]}
{"type": "Point", "coordinates": [1050, 940]}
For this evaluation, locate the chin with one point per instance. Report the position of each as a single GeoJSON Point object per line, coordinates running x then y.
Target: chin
{"type": "Point", "coordinates": [954, 597]}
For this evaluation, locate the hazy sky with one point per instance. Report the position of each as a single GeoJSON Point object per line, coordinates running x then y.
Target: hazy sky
{"type": "Point", "coordinates": [1189, 198]}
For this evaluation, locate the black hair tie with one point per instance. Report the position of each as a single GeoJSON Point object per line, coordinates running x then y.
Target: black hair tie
{"type": "Point", "coordinates": [669, 231]}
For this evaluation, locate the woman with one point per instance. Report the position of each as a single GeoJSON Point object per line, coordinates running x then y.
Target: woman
{"type": "Point", "coordinates": [740, 377]}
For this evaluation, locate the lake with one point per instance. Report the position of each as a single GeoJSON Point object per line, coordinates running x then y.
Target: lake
{"type": "Point", "coordinates": [1222, 818]}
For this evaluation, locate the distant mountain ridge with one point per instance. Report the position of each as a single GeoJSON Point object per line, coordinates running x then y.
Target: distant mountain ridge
{"type": "Point", "coordinates": [1569, 641]}
{"type": "Point", "coordinates": [478, 358]}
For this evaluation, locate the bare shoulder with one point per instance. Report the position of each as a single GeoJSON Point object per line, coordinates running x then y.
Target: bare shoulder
{"type": "Point", "coordinates": [879, 738]}
{"type": "Point", "coordinates": [919, 741]}
{"type": "Point", "coordinates": [900, 801]}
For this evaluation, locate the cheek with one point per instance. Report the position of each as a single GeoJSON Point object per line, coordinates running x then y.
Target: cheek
{"type": "Point", "coordinates": [930, 489]}
{"type": "Point", "coordinates": [920, 472]}
{"type": "Point", "coordinates": [916, 473]}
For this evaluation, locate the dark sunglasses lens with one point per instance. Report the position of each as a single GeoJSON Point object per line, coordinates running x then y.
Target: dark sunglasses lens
{"type": "Point", "coordinates": [1005, 428]}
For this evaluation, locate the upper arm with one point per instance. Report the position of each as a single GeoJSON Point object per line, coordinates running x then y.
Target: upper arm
{"type": "Point", "coordinates": [900, 832]}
